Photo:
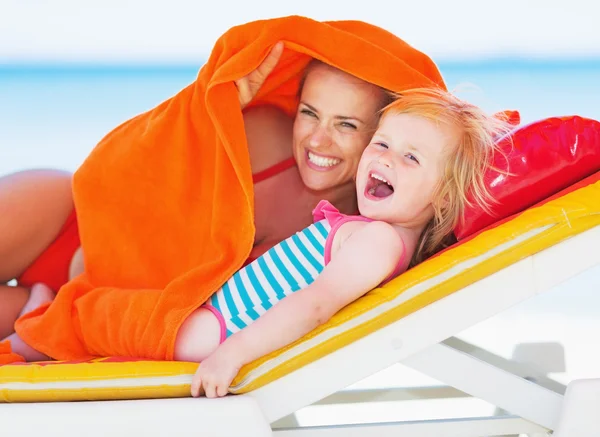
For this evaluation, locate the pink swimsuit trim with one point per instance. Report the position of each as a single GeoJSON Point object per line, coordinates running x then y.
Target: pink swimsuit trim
{"type": "Point", "coordinates": [325, 210]}
{"type": "Point", "coordinates": [221, 320]}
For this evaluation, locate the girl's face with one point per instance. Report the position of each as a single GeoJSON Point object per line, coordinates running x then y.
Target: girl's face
{"type": "Point", "coordinates": [335, 120]}
{"type": "Point", "coordinates": [401, 167]}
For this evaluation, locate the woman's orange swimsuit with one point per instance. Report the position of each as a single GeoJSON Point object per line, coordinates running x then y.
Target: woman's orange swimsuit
{"type": "Point", "coordinates": [52, 266]}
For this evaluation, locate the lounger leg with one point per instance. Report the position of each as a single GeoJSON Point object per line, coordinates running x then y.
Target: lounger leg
{"type": "Point", "coordinates": [490, 383]}
{"type": "Point", "coordinates": [532, 361]}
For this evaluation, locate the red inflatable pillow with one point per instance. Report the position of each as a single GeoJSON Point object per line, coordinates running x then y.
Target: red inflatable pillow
{"type": "Point", "coordinates": [544, 157]}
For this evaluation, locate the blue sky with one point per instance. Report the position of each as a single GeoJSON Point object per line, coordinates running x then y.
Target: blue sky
{"type": "Point", "coordinates": [185, 30]}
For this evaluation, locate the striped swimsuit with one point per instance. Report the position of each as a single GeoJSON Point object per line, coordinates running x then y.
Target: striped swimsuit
{"type": "Point", "coordinates": [284, 269]}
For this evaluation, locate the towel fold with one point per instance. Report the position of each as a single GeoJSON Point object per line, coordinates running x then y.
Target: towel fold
{"type": "Point", "coordinates": [7, 356]}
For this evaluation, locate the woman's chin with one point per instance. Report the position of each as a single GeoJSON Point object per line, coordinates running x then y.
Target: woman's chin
{"type": "Point", "coordinates": [318, 181]}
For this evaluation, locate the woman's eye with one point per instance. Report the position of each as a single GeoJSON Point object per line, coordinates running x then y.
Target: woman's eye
{"type": "Point", "coordinates": [308, 112]}
{"type": "Point", "coordinates": [412, 157]}
{"type": "Point", "coordinates": [347, 125]}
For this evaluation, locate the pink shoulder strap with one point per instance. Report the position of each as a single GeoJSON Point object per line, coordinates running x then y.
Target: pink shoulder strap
{"type": "Point", "coordinates": [325, 210]}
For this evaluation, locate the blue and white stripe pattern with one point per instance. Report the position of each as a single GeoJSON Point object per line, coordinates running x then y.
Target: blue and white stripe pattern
{"type": "Point", "coordinates": [287, 267]}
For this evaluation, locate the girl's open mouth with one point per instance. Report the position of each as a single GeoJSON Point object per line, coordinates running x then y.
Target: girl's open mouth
{"type": "Point", "coordinates": [378, 187]}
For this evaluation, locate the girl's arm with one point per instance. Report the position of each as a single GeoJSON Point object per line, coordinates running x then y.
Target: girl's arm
{"type": "Point", "coordinates": [366, 258]}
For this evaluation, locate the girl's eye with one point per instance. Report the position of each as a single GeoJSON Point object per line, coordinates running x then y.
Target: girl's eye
{"type": "Point", "coordinates": [348, 125]}
{"type": "Point", "coordinates": [380, 144]}
{"type": "Point", "coordinates": [308, 112]}
{"type": "Point", "coordinates": [412, 157]}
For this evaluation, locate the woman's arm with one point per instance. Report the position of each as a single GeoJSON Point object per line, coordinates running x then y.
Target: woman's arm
{"type": "Point", "coordinates": [367, 257]}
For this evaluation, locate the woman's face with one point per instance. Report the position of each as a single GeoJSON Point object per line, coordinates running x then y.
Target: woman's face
{"type": "Point", "coordinates": [335, 121]}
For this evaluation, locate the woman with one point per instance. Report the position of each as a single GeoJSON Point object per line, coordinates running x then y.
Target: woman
{"type": "Point", "coordinates": [295, 164]}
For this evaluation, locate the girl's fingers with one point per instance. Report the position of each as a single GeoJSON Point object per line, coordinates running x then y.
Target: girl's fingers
{"type": "Point", "coordinates": [196, 386]}
{"type": "Point", "coordinates": [221, 390]}
{"type": "Point", "coordinates": [209, 390]}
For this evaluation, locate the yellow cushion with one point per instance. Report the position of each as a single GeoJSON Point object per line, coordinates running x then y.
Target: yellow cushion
{"type": "Point", "coordinates": [99, 379]}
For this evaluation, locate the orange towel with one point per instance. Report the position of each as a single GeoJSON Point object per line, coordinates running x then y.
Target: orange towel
{"type": "Point", "coordinates": [6, 354]}
{"type": "Point", "coordinates": [165, 201]}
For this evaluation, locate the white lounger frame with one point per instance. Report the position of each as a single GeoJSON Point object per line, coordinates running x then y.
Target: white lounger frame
{"type": "Point", "coordinates": [536, 408]}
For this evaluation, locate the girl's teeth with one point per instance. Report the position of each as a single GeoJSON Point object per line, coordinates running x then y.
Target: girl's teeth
{"type": "Point", "coordinates": [379, 178]}
{"type": "Point", "coordinates": [322, 161]}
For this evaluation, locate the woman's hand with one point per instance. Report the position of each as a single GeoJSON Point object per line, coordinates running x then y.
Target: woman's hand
{"type": "Point", "coordinates": [215, 373]}
{"type": "Point", "coordinates": [249, 85]}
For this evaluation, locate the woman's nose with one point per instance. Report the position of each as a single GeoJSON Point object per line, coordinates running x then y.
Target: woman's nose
{"type": "Point", "coordinates": [320, 137]}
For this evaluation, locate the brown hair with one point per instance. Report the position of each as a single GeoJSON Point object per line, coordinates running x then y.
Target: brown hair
{"type": "Point", "coordinates": [387, 96]}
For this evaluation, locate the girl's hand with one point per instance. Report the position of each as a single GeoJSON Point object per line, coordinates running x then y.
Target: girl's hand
{"type": "Point", "coordinates": [249, 85]}
{"type": "Point", "coordinates": [215, 373]}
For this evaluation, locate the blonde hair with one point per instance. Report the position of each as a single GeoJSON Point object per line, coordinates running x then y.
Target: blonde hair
{"type": "Point", "coordinates": [462, 183]}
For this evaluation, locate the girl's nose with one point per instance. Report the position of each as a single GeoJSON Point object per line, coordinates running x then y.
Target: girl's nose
{"type": "Point", "coordinates": [385, 159]}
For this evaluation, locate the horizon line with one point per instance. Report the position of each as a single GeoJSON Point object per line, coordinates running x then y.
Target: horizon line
{"type": "Point", "coordinates": [7, 65]}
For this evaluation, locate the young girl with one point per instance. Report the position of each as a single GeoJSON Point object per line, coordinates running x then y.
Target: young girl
{"type": "Point", "coordinates": [429, 151]}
